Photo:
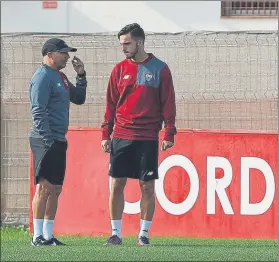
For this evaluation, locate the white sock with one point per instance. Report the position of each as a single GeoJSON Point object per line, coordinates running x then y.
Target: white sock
{"type": "Point", "coordinates": [145, 225]}
{"type": "Point", "coordinates": [116, 227]}
{"type": "Point", "coordinates": [48, 229]}
{"type": "Point", "coordinates": [38, 227]}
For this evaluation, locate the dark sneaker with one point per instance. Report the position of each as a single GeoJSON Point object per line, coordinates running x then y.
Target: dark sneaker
{"type": "Point", "coordinates": [143, 241]}
{"type": "Point", "coordinates": [39, 241]}
{"type": "Point", "coordinates": [54, 242]}
{"type": "Point", "coordinates": [113, 240]}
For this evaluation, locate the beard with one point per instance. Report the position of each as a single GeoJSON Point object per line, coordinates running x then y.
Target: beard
{"type": "Point", "coordinates": [132, 54]}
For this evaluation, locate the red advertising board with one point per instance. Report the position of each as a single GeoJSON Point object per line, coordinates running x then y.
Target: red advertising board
{"type": "Point", "coordinates": [50, 4]}
{"type": "Point", "coordinates": [212, 185]}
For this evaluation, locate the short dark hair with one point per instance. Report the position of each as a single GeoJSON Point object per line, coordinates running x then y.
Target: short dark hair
{"type": "Point", "coordinates": [134, 29]}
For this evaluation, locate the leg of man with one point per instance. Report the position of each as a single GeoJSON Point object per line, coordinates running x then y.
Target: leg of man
{"type": "Point", "coordinates": [43, 190]}
{"type": "Point", "coordinates": [116, 204]}
{"type": "Point", "coordinates": [147, 166]}
{"type": "Point", "coordinates": [51, 208]}
{"type": "Point", "coordinates": [56, 158]}
{"type": "Point", "coordinates": [147, 206]}
{"type": "Point", "coordinates": [120, 168]}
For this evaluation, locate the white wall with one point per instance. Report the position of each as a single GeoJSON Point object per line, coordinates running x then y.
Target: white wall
{"type": "Point", "coordinates": [107, 16]}
{"type": "Point", "coordinates": [29, 16]}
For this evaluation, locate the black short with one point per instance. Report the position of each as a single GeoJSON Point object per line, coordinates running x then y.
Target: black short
{"type": "Point", "coordinates": [134, 159]}
{"type": "Point", "coordinates": [49, 163]}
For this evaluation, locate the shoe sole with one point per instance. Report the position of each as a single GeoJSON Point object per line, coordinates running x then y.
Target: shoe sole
{"type": "Point", "coordinates": [32, 244]}
{"type": "Point", "coordinates": [53, 244]}
{"type": "Point", "coordinates": [106, 244]}
{"type": "Point", "coordinates": [142, 244]}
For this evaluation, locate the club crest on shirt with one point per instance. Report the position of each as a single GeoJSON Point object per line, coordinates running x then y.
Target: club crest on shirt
{"type": "Point", "coordinates": [148, 77]}
{"type": "Point", "coordinates": [126, 77]}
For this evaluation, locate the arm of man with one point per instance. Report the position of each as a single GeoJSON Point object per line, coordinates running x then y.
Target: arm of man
{"type": "Point", "coordinates": [168, 109]}
{"type": "Point", "coordinates": [40, 90]}
{"type": "Point", "coordinates": [78, 91]}
{"type": "Point", "coordinates": [112, 97]}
